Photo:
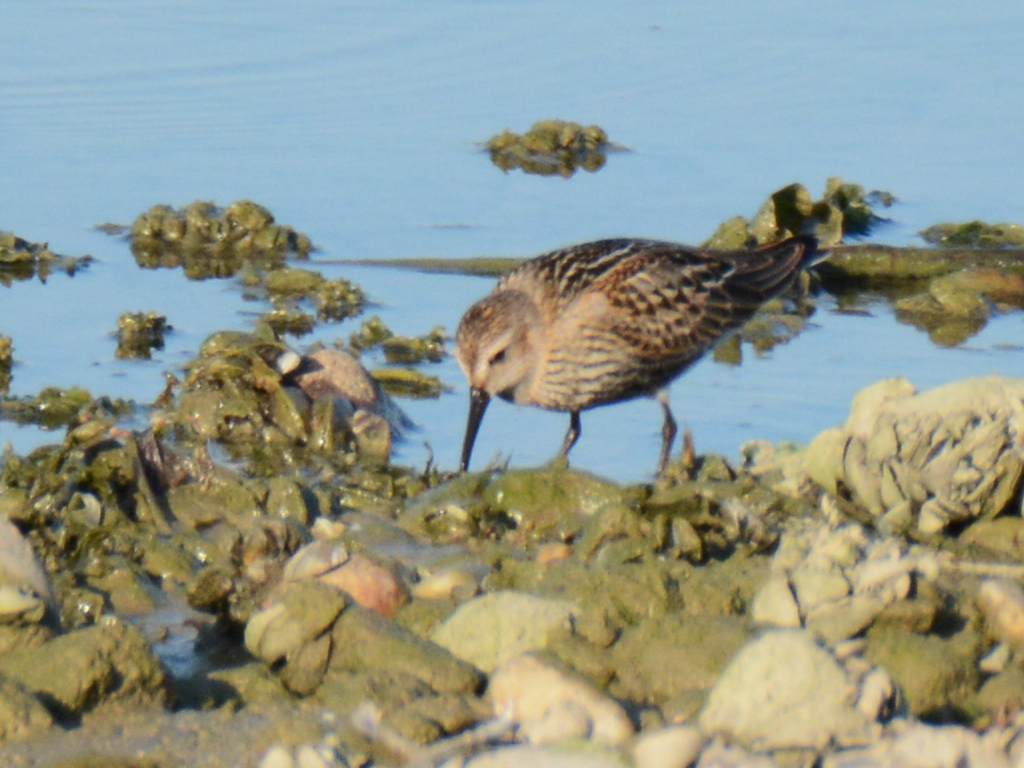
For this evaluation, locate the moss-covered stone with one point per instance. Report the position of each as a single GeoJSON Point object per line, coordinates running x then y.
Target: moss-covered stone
{"type": "Point", "coordinates": [551, 147]}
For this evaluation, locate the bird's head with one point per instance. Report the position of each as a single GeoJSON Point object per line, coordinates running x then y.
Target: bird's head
{"type": "Point", "coordinates": [497, 343]}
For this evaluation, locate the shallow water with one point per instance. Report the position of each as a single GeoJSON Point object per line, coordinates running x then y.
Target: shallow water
{"type": "Point", "coordinates": [359, 123]}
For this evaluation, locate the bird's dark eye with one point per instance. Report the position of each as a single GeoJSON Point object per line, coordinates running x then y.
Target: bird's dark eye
{"type": "Point", "coordinates": [497, 357]}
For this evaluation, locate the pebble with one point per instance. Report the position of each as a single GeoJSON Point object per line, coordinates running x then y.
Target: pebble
{"type": "Point", "coordinates": [674, 747]}
{"type": "Point", "coordinates": [1002, 603]}
{"type": "Point", "coordinates": [540, 697]}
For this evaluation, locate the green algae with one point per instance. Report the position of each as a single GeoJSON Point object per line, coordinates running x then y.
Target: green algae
{"type": "Point", "coordinates": [408, 382]}
{"type": "Point", "coordinates": [22, 260]}
{"type": "Point", "coordinates": [937, 674]}
{"type": "Point", "coordinates": [551, 147]}
{"type": "Point", "coordinates": [54, 407]}
{"type": "Point", "coordinates": [844, 210]}
{"type": "Point", "coordinates": [212, 242]}
{"type": "Point", "coordinates": [139, 333]}
{"type": "Point", "coordinates": [6, 363]}
{"type": "Point", "coordinates": [975, 234]}
{"type": "Point", "coordinates": [403, 350]}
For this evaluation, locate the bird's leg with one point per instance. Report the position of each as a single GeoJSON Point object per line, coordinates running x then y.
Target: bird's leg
{"type": "Point", "coordinates": [668, 431]}
{"type": "Point", "coordinates": [572, 435]}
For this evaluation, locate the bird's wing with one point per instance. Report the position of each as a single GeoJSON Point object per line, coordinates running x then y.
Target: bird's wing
{"type": "Point", "coordinates": [671, 302]}
{"type": "Point", "coordinates": [557, 278]}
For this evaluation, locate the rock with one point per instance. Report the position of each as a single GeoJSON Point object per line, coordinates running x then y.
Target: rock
{"type": "Point", "coordinates": [774, 604]}
{"type": "Point", "coordinates": [365, 641]}
{"type": "Point", "coordinates": [674, 747]}
{"type": "Point", "coordinates": [108, 662]}
{"type": "Point", "coordinates": [489, 629]}
{"type": "Point", "coordinates": [550, 704]}
{"type": "Point", "coordinates": [950, 746]}
{"type": "Point", "coordinates": [1002, 603]}
{"type": "Point", "coordinates": [277, 757]}
{"type": "Point", "coordinates": [371, 585]}
{"type": "Point", "coordinates": [298, 613]}
{"type": "Point", "coordinates": [948, 455]}
{"type": "Point", "coordinates": [527, 756]}
{"type": "Point", "coordinates": [936, 674]}
{"type": "Point", "coordinates": [21, 714]}
{"type": "Point", "coordinates": [815, 586]}
{"type": "Point", "coordinates": [783, 691]}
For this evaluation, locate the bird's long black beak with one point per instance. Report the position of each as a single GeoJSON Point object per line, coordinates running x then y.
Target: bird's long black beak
{"type": "Point", "coordinates": [478, 400]}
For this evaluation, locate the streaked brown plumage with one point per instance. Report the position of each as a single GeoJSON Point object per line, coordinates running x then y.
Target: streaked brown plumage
{"type": "Point", "coordinates": [610, 320]}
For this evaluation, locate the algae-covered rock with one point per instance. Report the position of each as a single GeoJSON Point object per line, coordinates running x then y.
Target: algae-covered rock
{"type": "Point", "coordinates": [6, 363]}
{"type": "Point", "coordinates": [23, 260]}
{"type": "Point", "coordinates": [551, 147]}
{"type": "Point", "coordinates": [209, 241]}
{"type": "Point", "coordinates": [110, 662]}
{"type": "Point", "coordinates": [489, 629]}
{"type": "Point", "coordinates": [408, 382]}
{"type": "Point", "coordinates": [365, 641]}
{"type": "Point", "coordinates": [844, 210]}
{"type": "Point", "coordinates": [22, 716]}
{"type": "Point", "coordinates": [783, 691]}
{"type": "Point", "coordinates": [553, 502]}
{"type": "Point", "coordinates": [676, 658]}
{"type": "Point", "coordinates": [139, 333]}
{"type": "Point", "coordinates": [936, 674]}
{"type": "Point", "coordinates": [975, 233]}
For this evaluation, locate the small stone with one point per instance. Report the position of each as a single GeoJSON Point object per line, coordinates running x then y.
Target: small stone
{"type": "Point", "coordinates": [674, 747]}
{"type": "Point", "coordinates": [995, 661]}
{"type": "Point", "coordinates": [1002, 602]}
{"type": "Point", "coordinates": [774, 604]}
{"type": "Point", "coordinates": [371, 585]}
{"type": "Point", "coordinates": [533, 692]}
{"type": "Point", "coordinates": [441, 585]}
{"type": "Point", "coordinates": [814, 587]}
{"type": "Point", "coordinates": [277, 757]}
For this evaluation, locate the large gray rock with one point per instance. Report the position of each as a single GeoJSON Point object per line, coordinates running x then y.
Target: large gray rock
{"type": "Point", "coordinates": [783, 691]}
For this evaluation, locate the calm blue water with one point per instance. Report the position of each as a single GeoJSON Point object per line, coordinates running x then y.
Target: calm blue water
{"type": "Point", "coordinates": [359, 123]}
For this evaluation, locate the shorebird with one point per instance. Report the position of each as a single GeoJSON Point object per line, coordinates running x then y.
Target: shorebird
{"type": "Point", "coordinates": [610, 320]}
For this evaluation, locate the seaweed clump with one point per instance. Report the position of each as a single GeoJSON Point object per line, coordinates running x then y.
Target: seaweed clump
{"type": "Point", "coordinates": [6, 363]}
{"type": "Point", "coordinates": [209, 242]}
{"type": "Point", "coordinates": [975, 234]}
{"type": "Point", "coordinates": [551, 147]}
{"type": "Point", "coordinates": [23, 260]}
{"type": "Point", "coordinates": [845, 210]}
{"type": "Point", "coordinates": [139, 333]}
